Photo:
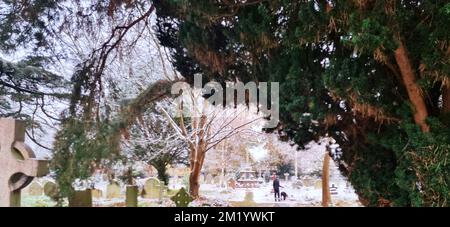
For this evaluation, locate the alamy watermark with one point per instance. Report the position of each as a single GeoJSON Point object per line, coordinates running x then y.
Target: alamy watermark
{"type": "Point", "coordinates": [251, 94]}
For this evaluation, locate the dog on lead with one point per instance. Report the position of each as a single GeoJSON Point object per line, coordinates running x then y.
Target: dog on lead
{"type": "Point", "coordinates": [283, 195]}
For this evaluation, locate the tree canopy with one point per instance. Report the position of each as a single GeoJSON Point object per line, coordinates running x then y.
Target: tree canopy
{"type": "Point", "coordinates": [374, 75]}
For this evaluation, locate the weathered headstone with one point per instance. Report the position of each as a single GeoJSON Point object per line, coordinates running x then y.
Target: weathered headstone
{"type": "Point", "coordinates": [182, 198]}
{"type": "Point", "coordinates": [132, 196]}
{"type": "Point", "coordinates": [35, 189]}
{"type": "Point", "coordinates": [81, 199]}
{"type": "Point", "coordinates": [18, 163]}
{"type": "Point", "coordinates": [152, 188]}
{"type": "Point", "coordinates": [249, 197]}
{"type": "Point", "coordinates": [97, 193]}
{"type": "Point", "coordinates": [51, 189]}
{"type": "Point", "coordinates": [318, 184]}
{"type": "Point", "coordinates": [248, 200]}
{"type": "Point", "coordinates": [113, 191]}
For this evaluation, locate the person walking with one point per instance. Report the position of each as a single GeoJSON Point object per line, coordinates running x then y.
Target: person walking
{"type": "Point", "coordinates": [276, 188]}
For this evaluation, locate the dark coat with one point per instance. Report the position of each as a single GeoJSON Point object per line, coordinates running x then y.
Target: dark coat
{"type": "Point", "coordinates": [276, 184]}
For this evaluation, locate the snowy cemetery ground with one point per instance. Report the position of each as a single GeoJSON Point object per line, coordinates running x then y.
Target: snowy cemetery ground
{"type": "Point", "coordinates": [304, 192]}
{"type": "Point", "coordinates": [299, 195]}
{"type": "Point", "coordinates": [303, 196]}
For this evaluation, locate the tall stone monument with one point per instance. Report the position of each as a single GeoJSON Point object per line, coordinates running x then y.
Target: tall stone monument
{"type": "Point", "coordinates": [18, 164]}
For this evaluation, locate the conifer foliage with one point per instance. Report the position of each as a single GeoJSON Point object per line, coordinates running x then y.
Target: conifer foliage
{"type": "Point", "coordinates": [372, 74]}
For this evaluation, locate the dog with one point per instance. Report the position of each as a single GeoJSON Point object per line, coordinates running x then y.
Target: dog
{"type": "Point", "coordinates": [284, 195]}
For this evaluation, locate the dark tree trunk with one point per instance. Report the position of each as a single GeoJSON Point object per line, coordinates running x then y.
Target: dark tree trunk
{"type": "Point", "coordinates": [161, 168]}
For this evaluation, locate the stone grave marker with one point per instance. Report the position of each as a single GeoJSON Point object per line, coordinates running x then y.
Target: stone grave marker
{"type": "Point", "coordinates": [97, 193]}
{"type": "Point", "coordinates": [34, 189]}
{"type": "Point", "coordinates": [318, 185]}
{"type": "Point", "coordinates": [248, 200]}
{"type": "Point", "coordinates": [132, 196]}
{"type": "Point", "coordinates": [182, 198]}
{"type": "Point", "coordinates": [113, 191]}
{"type": "Point", "coordinates": [51, 189]}
{"type": "Point", "coordinates": [81, 199]}
{"type": "Point", "coordinates": [152, 188]}
{"type": "Point", "coordinates": [18, 162]}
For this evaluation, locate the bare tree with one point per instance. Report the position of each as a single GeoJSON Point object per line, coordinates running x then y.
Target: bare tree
{"type": "Point", "coordinates": [209, 126]}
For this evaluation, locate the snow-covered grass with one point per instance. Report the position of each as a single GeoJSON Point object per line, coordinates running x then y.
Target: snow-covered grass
{"type": "Point", "coordinates": [263, 196]}
{"type": "Point", "coordinates": [37, 201]}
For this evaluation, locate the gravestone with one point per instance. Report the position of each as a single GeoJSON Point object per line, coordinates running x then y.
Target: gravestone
{"type": "Point", "coordinates": [318, 185]}
{"type": "Point", "coordinates": [249, 197]}
{"type": "Point", "coordinates": [113, 191]}
{"type": "Point", "coordinates": [18, 162]}
{"type": "Point", "coordinates": [132, 196]}
{"type": "Point", "coordinates": [51, 190]}
{"type": "Point", "coordinates": [182, 198]}
{"type": "Point", "coordinates": [248, 200]}
{"type": "Point", "coordinates": [97, 193]}
{"type": "Point", "coordinates": [152, 188]}
{"type": "Point", "coordinates": [81, 199]}
{"type": "Point", "coordinates": [34, 189]}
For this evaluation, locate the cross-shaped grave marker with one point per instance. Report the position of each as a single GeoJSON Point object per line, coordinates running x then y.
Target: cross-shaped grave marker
{"type": "Point", "coordinates": [182, 198]}
{"type": "Point", "coordinates": [18, 165]}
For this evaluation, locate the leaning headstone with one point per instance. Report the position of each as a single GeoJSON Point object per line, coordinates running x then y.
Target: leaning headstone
{"type": "Point", "coordinates": [51, 190]}
{"type": "Point", "coordinates": [182, 198]}
{"type": "Point", "coordinates": [132, 196]}
{"type": "Point", "coordinates": [152, 188]}
{"type": "Point", "coordinates": [113, 191]}
{"type": "Point", "coordinates": [81, 199]}
{"type": "Point", "coordinates": [35, 189]}
{"type": "Point", "coordinates": [17, 162]}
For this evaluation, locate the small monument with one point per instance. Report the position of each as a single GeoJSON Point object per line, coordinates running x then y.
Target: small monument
{"type": "Point", "coordinates": [247, 178]}
{"type": "Point", "coordinates": [18, 162]}
{"type": "Point", "coordinates": [182, 198]}
{"type": "Point", "coordinates": [333, 190]}
{"type": "Point", "coordinates": [113, 190]}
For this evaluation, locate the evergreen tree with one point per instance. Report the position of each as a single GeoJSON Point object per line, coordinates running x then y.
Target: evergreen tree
{"type": "Point", "coordinates": [372, 74]}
